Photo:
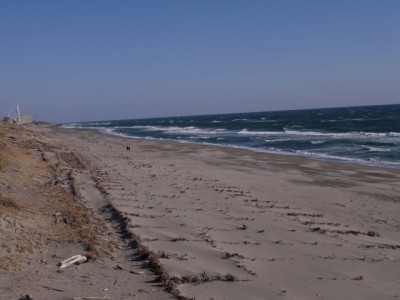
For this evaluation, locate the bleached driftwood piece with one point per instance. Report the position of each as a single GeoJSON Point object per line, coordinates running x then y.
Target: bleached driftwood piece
{"type": "Point", "coordinates": [76, 259]}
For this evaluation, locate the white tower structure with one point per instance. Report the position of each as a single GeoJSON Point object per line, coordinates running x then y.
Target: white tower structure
{"type": "Point", "coordinates": [18, 119]}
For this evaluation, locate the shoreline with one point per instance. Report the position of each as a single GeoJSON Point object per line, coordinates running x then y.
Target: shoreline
{"type": "Point", "coordinates": [223, 223]}
{"type": "Point", "coordinates": [313, 156]}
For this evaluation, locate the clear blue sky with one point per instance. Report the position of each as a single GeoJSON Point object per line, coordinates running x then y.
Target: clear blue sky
{"type": "Point", "coordinates": [78, 60]}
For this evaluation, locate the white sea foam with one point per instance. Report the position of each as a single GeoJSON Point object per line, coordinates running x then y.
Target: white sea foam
{"type": "Point", "coordinates": [352, 135]}
{"type": "Point", "coordinates": [181, 130]}
{"type": "Point", "coordinates": [70, 126]}
{"type": "Point", "coordinates": [394, 134]}
{"type": "Point", "coordinates": [375, 149]}
{"type": "Point", "coordinates": [97, 123]}
{"type": "Point", "coordinates": [329, 156]}
{"type": "Point", "coordinates": [260, 133]}
{"type": "Point", "coordinates": [277, 140]}
{"type": "Point", "coordinates": [262, 120]}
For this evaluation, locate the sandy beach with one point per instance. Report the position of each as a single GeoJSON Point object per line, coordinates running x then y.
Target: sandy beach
{"type": "Point", "coordinates": [166, 220]}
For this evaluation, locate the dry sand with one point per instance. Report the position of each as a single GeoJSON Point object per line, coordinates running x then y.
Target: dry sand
{"type": "Point", "coordinates": [217, 223]}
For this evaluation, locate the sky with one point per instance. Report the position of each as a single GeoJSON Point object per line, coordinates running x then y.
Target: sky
{"type": "Point", "coordinates": [86, 60]}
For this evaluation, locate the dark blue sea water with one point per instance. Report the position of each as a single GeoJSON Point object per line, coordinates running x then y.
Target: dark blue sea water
{"type": "Point", "coordinates": [363, 135]}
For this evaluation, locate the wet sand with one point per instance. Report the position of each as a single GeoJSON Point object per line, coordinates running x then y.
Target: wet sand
{"type": "Point", "coordinates": [234, 224]}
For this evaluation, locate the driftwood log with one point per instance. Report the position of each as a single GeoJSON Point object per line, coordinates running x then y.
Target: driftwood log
{"type": "Point", "coordinates": [76, 259]}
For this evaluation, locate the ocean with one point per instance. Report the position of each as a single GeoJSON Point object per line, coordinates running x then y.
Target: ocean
{"type": "Point", "coordinates": [368, 135]}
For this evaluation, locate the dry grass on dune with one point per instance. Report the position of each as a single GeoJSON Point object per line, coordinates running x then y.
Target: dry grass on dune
{"type": "Point", "coordinates": [8, 203]}
{"type": "Point", "coordinates": [35, 213]}
{"type": "Point", "coordinates": [3, 152]}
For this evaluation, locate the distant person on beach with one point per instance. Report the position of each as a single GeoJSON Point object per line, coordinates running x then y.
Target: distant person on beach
{"type": "Point", "coordinates": [128, 148]}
